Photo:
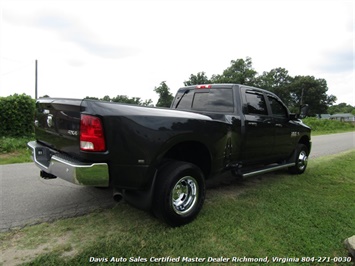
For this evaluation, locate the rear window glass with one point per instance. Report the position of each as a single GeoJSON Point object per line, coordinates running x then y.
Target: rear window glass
{"type": "Point", "coordinates": [214, 100]}
{"type": "Point", "coordinates": [186, 100]}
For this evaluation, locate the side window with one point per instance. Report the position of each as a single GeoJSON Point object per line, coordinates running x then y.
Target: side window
{"type": "Point", "coordinates": [186, 100]}
{"type": "Point", "coordinates": [277, 108]}
{"type": "Point", "coordinates": [256, 103]}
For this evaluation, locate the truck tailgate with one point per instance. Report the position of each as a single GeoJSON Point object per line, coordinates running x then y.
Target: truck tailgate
{"type": "Point", "coordinates": [57, 124]}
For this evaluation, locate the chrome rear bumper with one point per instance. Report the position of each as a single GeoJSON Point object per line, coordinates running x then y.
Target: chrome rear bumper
{"type": "Point", "coordinates": [69, 169]}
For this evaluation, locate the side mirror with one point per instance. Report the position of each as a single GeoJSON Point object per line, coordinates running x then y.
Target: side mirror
{"type": "Point", "coordinates": [304, 111]}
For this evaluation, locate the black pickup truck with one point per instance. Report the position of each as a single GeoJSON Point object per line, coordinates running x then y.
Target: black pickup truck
{"type": "Point", "coordinates": [160, 159]}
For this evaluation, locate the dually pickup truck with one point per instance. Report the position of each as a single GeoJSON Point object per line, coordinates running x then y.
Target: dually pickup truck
{"type": "Point", "coordinates": [159, 159]}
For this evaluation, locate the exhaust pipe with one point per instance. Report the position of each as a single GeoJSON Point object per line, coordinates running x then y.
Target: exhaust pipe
{"type": "Point", "coordinates": [117, 195]}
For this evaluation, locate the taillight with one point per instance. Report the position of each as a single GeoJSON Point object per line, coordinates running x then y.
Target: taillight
{"type": "Point", "coordinates": [91, 134]}
{"type": "Point", "coordinates": [204, 86]}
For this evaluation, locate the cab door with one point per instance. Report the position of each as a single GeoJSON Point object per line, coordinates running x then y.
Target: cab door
{"type": "Point", "coordinates": [282, 147]}
{"type": "Point", "coordinates": [259, 130]}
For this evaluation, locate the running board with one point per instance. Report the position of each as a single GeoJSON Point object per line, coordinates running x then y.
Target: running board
{"type": "Point", "coordinates": [267, 169]}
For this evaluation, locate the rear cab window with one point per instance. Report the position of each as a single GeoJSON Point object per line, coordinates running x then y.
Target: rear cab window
{"type": "Point", "coordinates": [205, 98]}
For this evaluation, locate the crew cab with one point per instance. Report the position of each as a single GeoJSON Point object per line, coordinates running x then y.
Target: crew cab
{"type": "Point", "coordinates": [159, 159]}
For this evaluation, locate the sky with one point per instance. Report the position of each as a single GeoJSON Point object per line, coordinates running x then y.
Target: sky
{"type": "Point", "coordinates": [97, 48]}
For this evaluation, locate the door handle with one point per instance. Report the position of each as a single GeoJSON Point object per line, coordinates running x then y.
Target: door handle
{"type": "Point", "coordinates": [252, 124]}
{"type": "Point", "coordinates": [278, 125]}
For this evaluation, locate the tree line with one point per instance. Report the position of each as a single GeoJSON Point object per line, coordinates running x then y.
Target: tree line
{"type": "Point", "coordinates": [165, 98]}
{"type": "Point", "coordinates": [293, 90]}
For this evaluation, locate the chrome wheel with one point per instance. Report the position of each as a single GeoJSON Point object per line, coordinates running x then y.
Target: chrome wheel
{"type": "Point", "coordinates": [302, 160]}
{"type": "Point", "coordinates": [184, 195]}
{"type": "Point", "coordinates": [179, 193]}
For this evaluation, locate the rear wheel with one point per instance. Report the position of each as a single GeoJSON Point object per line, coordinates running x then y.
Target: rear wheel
{"type": "Point", "coordinates": [179, 193]}
{"type": "Point", "coordinates": [301, 160]}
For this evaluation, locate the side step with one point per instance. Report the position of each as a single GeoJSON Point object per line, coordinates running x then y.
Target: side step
{"type": "Point", "coordinates": [266, 169]}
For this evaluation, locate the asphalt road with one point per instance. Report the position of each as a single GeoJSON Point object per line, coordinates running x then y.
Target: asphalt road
{"type": "Point", "coordinates": [27, 199]}
{"type": "Point", "coordinates": [332, 144]}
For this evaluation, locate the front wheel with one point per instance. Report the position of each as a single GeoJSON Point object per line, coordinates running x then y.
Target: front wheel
{"type": "Point", "coordinates": [179, 193]}
{"type": "Point", "coordinates": [301, 160]}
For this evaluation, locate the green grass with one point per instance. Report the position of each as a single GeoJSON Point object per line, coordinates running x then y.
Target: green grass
{"type": "Point", "coordinates": [14, 150]}
{"type": "Point", "coordinates": [12, 144]}
{"type": "Point", "coordinates": [325, 126]}
{"type": "Point", "coordinates": [277, 214]}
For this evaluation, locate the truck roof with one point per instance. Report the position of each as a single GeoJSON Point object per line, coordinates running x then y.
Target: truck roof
{"type": "Point", "coordinates": [224, 86]}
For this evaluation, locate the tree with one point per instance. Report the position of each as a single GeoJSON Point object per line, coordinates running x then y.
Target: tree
{"type": "Point", "coordinates": [200, 78]}
{"type": "Point", "coordinates": [106, 98]}
{"type": "Point", "coordinates": [148, 103]}
{"type": "Point", "coordinates": [341, 108]}
{"type": "Point", "coordinates": [294, 91]}
{"type": "Point", "coordinates": [125, 99]}
{"type": "Point", "coordinates": [165, 97]}
{"type": "Point", "coordinates": [241, 72]}
{"type": "Point", "coordinates": [311, 91]}
{"type": "Point", "coordinates": [277, 81]}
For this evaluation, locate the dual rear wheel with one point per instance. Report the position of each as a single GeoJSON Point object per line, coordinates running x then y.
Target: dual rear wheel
{"type": "Point", "coordinates": [179, 193]}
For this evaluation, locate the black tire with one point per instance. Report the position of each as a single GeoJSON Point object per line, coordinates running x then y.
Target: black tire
{"type": "Point", "coordinates": [179, 193]}
{"type": "Point", "coordinates": [301, 160]}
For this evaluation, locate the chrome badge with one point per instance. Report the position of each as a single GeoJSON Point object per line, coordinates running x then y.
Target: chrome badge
{"type": "Point", "coordinates": [50, 120]}
{"type": "Point", "coordinates": [73, 132]}
{"type": "Point", "coordinates": [295, 134]}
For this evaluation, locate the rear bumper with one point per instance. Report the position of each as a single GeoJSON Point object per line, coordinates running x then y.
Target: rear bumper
{"type": "Point", "coordinates": [69, 169]}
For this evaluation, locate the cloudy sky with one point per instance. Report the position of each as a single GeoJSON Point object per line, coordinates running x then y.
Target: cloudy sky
{"type": "Point", "coordinates": [98, 48]}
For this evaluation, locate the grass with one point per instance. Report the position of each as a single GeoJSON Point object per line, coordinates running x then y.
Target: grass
{"type": "Point", "coordinates": [19, 156]}
{"type": "Point", "coordinates": [14, 150]}
{"type": "Point", "coordinates": [272, 215]}
{"type": "Point", "coordinates": [325, 126]}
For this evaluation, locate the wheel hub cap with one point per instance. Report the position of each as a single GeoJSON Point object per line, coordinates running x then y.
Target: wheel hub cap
{"type": "Point", "coordinates": [302, 160]}
{"type": "Point", "coordinates": [184, 195]}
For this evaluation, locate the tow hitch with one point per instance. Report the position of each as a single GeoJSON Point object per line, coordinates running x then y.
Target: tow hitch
{"type": "Point", "coordinates": [46, 175]}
